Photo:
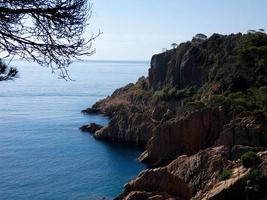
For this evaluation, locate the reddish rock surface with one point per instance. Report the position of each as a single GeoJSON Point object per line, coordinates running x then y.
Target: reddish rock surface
{"type": "Point", "coordinates": [197, 177]}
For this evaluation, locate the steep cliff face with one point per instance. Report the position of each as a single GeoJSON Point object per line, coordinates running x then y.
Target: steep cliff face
{"type": "Point", "coordinates": [178, 68]}
{"type": "Point", "coordinates": [228, 60]}
{"type": "Point", "coordinates": [128, 125]}
{"type": "Point", "coordinates": [188, 135]}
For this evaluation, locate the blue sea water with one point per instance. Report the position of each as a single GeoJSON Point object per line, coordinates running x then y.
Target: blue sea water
{"type": "Point", "coordinates": [43, 155]}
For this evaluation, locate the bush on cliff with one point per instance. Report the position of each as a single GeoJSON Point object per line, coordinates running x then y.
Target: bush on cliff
{"type": "Point", "coordinates": [169, 93]}
{"type": "Point", "coordinates": [253, 101]}
{"type": "Point", "coordinates": [224, 175]}
{"type": "Point", "coordinates": [195, 106]}
{"type": "Point", "coordinates": [237, 62]}
{"type": "Point", "coordinates": [250, 159]}
{"type": "Point", "coordinates": [239, 101]}
{"type": "Point", "coordinates": [217, 100]}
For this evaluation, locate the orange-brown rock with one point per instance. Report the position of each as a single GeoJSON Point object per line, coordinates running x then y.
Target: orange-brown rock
{"type": "Point", "coordinates": [196, 177]}
{"type": "Point", "coordinates": [184, 176]}
{"type": "Point", "coordinates": [184, 136]}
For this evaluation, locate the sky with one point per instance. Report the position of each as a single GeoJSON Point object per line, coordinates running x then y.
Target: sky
{"type": "Point", "coordinates": [137, 29]}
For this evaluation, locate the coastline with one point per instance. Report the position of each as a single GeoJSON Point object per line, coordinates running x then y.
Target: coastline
{"type": "Point", "coordinates": [181, 114]}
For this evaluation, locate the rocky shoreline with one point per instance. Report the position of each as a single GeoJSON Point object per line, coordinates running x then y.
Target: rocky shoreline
{"type": "Point", "coordinates": [202, 106]}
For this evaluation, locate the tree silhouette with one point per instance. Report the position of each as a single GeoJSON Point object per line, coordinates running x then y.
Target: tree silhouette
{"type": "Point", "coordinates": [7, 73]}
{"type": "Point", "coordinates": [174, 45]}
{"type": "Point", "coordinates": [200, 36]}
{"type": "Point", "coordinates": [252, 31]}
{"type": "Point", "coordinates": [49, 32]}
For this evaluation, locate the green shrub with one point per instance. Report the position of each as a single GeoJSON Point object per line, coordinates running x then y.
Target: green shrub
{"type": "Point", "coordinates": [239, 101]}
{"type": "Point", "coordinates": [254, 99]}
{"type": "Point", "coordinates": [171, 93]}
{"type": "Point", "coordinates": [195, 105]}
{"type": "Point", "coordinates": [224, 175]}
{"type": "Point", "coordinates": [159, 95]}
{"type": "Point", "coordinates": [217, 100]}
{"type": "Point", "coordinates": [168, 93]}
{"type": "Point", "coordinates": [250, 159]}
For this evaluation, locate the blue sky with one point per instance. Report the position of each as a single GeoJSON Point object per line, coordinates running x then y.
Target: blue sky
{"type": "Point", "coordinates": [137, 29]}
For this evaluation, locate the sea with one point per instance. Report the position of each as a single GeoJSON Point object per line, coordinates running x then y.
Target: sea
{"type": "Point", "coordinates": [43, 154]}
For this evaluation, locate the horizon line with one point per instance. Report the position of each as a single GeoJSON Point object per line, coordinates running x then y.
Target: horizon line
{"type": "Point", "coordinates": [87, 60]}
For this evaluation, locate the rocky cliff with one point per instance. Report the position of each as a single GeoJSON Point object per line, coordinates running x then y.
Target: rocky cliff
{"type": "Point", "coordinates": [201, 95]}
{"type": "Point", "coordinates": [198, 177]}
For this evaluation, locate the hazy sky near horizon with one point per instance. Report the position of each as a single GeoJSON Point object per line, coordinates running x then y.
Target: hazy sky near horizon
{"type": "Point", "coordinates": [137, 29]}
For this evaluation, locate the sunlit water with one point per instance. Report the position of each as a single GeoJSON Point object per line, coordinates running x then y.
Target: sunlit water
{"type": "Point", "coordinates": [43, 155]}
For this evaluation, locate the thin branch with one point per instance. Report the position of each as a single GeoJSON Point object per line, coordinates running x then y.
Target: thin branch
{"type": "Point", "coordinates": [48, 32]}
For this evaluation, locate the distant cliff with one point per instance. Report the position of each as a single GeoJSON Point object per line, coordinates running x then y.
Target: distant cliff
{"type": "Point", "coordinates": [203, 94]}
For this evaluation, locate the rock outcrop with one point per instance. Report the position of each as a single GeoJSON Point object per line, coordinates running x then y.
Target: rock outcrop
{"type": "Point", "coordinates": [197, 177]}
{"type": "Point", "coordinates": [91, 128]}
{"type": "Point", "coordinates": [130, 115]}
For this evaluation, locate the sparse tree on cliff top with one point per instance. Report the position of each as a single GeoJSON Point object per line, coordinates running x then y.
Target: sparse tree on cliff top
{"type": "Point", "coordinates": [49, 32]}
{"type": "Point", "coordinates": [252, 31]}
{"type": "Point", "coordinates": [174, 45]}
{"type": "Point", "coordinates": [200, 36]}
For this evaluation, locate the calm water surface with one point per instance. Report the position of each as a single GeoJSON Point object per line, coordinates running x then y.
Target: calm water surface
{"type": "Point", "coordinates": [43, 155]}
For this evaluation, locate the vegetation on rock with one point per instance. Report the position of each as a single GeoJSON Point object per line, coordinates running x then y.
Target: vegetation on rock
{"type": "Point", "coordinates": [224, 175]}
{"type": "Point", "coordinates": [250, 159]}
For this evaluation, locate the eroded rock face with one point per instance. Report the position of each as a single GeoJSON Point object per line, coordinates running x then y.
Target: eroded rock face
{"type": "Point", "coordinates": [196, 177]}
{"type": "Point", "coordinates": [184, 136]}
{"type": "Point", "coordinates": [178, 68]}
{"type": "Point", "coordinates": [128, 127]}
{"type": "Point", "coordinates": [130, 115]}
{"type": "Point", "coordinates": [248, 131]}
